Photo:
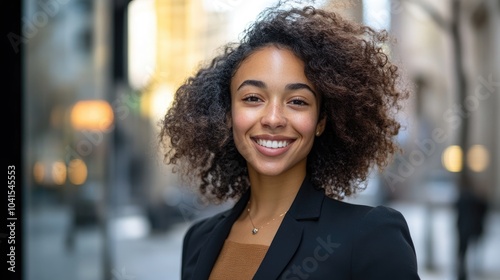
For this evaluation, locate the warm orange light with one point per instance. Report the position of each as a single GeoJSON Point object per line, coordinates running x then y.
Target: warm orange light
{"type": "Point", "coordinates": [39, 172]}
{"type": "Point", "coordinates": [92, 115]}
{"type": "Point", "coordinates": [478, 158]}
{"type": "Point", "coordinates": [58, 173]}
{"type": "Point", "coordinates": [452, 158]}
{"type": "Point", "coordinates": [77, 172]}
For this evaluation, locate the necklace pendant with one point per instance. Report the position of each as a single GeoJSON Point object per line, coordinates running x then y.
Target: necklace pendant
{"type": "Point", "coordinates": [255, 231]}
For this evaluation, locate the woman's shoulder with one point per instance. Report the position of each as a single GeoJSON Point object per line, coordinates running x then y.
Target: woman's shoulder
{"type": "Point", "coordinates": [360, 211]}
{"type": "Point", "coordinates": [364, 218]}
{"type": "Point", "coordinates": [380, 238]}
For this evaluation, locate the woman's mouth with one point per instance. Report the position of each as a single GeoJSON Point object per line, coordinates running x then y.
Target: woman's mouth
{"type": "Point", "coordinates": [273, 144]}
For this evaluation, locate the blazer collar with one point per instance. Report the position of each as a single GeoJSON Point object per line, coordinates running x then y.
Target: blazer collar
{"type": "Point", "coordinates": [307, 203]}
{"type": "Point", "coordinates": [306, 206]}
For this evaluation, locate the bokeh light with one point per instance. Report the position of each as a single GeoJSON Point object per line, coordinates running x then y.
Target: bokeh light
{"type": "Point", "coordinates": [478, 158]}
{"type": "Point", "coordinates": [452, 158]}
{"type": "Point", "coordinates": [77, 172]}
{"type": "Point", "coordinates": [92, 115]}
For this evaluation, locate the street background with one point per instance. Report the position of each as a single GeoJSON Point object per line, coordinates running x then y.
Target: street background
{"type": "Point", "coordinates": [100, 204]}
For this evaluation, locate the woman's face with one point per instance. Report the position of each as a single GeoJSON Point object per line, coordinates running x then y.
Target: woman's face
{"type": "Point", "coordinates": [274, 112]}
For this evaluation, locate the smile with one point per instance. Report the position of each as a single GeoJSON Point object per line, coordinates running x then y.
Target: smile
{"type": "Point", "coordinates": [272, 144]}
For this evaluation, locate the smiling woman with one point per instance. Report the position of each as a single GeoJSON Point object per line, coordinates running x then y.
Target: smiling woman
{"type": "Point", "coordinates": [288, 122]}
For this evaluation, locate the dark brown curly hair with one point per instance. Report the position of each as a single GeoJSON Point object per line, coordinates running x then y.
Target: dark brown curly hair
{"type": "Point", "coordinates": [359, 94]}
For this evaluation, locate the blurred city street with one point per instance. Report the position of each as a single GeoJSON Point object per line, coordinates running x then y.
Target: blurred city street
{"type": "Point", "coordinates": [101, 201]}
{"type": "Point", "coordinates": [156, 256]}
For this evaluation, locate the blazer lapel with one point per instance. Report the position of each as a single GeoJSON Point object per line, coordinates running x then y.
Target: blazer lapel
{"type": "Point", "coordinates": [306, 206]}
{"type": "Point", "coordinates": [283, 247]}
{"type": "Point", "coordinates": [211, 249]}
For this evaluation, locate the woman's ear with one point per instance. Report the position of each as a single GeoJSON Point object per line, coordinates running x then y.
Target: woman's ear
{"type": "Point", "coordinates": [320, 127]}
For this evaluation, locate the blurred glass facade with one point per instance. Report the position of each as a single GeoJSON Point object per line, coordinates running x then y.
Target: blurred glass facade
{"type": "Point", "coordinates": [99, 75]}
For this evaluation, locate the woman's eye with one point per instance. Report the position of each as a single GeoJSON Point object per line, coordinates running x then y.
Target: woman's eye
{"type": "Point", "coordinates": [251, 99]}
{"type": "Point", "coordinates": [298, 102]}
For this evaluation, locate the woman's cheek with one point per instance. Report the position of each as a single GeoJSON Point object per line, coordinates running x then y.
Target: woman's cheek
{"type": "Point", "coordinates": [306, 125]}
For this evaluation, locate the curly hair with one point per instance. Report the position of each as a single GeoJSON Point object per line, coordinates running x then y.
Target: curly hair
{"type": "Point", "coordinates": [359, 96]}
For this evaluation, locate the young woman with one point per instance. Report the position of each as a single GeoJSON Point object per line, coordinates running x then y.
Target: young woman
{"type": "Point", "coordinates": [288, 122]}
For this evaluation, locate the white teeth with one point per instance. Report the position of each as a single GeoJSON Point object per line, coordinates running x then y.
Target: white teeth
{"type": "Point", "coordinates": [272, 144]}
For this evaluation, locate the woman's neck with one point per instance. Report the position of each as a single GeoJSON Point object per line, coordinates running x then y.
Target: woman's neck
{"type": "Point", "coordinates": [272, 195]}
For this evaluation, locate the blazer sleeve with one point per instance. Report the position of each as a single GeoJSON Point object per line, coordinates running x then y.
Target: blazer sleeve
{"type": "Point", "coordinates": [383, 248]}
{"type": "Point", "coordinates": [187, 252]}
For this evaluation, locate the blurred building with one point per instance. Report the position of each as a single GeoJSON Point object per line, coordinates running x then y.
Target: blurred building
{"type": "Point", "coordinates": [451, 161]}
{"type": "Point", "coordinates": [437, 112]}
{"type": "Point", "coordinates": [98, 75]}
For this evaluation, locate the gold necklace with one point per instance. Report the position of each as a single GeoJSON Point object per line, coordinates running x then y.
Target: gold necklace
{"type": "Point", "coordinates": [255, 230]}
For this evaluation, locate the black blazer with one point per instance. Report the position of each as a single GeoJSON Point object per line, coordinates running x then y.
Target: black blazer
{"type": "Point", "coordinates": [319, 238]}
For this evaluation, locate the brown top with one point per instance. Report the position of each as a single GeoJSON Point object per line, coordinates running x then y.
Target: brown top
{"type": "Point", "coordinates": [238, 261]}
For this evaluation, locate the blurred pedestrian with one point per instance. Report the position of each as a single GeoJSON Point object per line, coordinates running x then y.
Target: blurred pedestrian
{"type": "Point", "coordinates": [288, 122]}
{"type": "Point", "coordinates": [471, 212]}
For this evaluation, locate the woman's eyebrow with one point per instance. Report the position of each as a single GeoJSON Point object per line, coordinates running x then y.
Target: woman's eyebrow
{"type": "Point", "coordinates": [296, 86]}
{"type": "Point", "coordinates": [255, 83]}
{"type": "Point", "coordinates": [261, 84]}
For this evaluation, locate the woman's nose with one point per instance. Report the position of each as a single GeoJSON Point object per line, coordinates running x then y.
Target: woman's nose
{"type": "Point", "coordinates": [273, 116]}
